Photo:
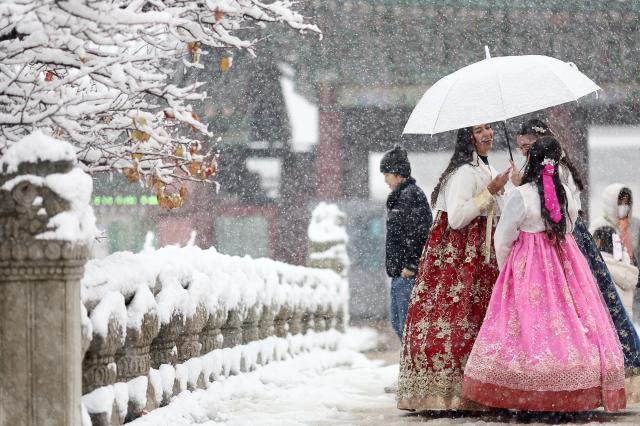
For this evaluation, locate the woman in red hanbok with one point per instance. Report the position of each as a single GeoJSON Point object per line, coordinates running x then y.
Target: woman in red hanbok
{"type": "Point", "coordinates": [456, 273]}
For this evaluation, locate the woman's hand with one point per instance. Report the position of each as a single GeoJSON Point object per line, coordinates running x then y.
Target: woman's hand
{"type": "Point", "coordinates": [407, 273]}
{"type": "Point", "coordinates": [497, 183]}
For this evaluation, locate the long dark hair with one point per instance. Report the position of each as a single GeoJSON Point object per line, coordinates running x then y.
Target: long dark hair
{"type": "Point", "coordinates": [538, 128]}
{"type": "Point", "coordinates": [462, 154]}
{"type": "Point", "coordinates": [625, 192]}
{"type": "Point", "coordinates": [534, 127]}
{"type": "Point", "coordinates": [547, 148]}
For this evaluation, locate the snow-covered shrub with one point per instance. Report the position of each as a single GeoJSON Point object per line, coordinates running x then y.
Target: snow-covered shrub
{"type": "Point", "coordinates": [328, 238]}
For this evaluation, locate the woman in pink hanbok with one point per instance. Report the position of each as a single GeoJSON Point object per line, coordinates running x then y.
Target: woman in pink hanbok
{"type": "Point", "coordinates": [547, 342]}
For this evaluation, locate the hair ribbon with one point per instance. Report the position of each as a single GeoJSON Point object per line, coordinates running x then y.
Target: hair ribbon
{"type": "Point", "coordinates": [551, 202]}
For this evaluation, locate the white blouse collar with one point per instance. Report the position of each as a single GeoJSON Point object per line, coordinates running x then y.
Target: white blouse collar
{"type": "Point", "coordinates": [477, 161]}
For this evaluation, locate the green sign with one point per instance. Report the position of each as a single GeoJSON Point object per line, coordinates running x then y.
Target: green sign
{"type": "Point", "coordinates": [125, 200]}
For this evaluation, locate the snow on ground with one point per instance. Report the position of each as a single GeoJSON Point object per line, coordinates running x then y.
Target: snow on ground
{"type": "Point", "coordinates": [328, 388]}
{"type": "Point", "coordinates": [319, 387]}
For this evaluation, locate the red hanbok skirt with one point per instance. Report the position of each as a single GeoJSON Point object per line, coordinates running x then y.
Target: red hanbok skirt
{"type": "Point", "coordinates": [448, 304]}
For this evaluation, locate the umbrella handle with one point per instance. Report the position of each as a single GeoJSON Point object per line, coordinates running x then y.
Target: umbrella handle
{"type": "Point", "coordinates": [506, 135]}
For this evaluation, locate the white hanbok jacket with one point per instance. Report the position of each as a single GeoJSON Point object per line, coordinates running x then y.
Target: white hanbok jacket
{"type": "Point", "coordinates": [465, 195]}
{"type": "Point", "coordinates": [567, 180]}
{"type": "Point", "coordinates": [522, 213]}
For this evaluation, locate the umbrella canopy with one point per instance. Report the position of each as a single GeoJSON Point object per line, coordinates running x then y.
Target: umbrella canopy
{"type": "Point", "coordinates": [496, 89]}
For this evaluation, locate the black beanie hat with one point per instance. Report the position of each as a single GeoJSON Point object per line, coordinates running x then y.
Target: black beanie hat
{"type": "Point", "coordinates": [396, 161]}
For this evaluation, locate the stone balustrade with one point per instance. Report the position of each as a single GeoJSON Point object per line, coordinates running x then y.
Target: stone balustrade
{"type": "Point", "coordinates": [176, 319]}
{"type": "Point", "coordinates": [130, 331]}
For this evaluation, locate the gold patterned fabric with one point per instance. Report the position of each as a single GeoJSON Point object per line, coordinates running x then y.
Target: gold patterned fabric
{"type": "Point", "coordinates": [547, 342]}
{"type": "Point", "coordinates": [447, 306]}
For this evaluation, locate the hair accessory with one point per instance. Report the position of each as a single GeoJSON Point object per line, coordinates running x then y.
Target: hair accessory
{"type": "Point", "coordinates": [549, 161]}
{"type": "Point", "coordinates": [551, 202]}
{"type": "Point", "coordinates": [540, 130]}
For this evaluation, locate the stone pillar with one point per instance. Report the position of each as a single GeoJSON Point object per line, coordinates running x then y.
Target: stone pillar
{"type": "Point", "coordinates": [40, 320]}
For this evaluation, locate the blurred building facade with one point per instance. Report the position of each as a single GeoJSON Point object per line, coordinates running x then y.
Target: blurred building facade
{"type": "Point", "coordinates": [297, 124]}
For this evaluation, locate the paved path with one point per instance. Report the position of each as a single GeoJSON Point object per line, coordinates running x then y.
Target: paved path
{"type": "Point", "coordinates": [335, 388]}
{"type": "Point", "coordinates": [384, 412]}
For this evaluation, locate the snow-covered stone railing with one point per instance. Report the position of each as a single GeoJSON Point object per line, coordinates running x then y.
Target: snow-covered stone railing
{"type": "Point", "coordinates": [161, 322]}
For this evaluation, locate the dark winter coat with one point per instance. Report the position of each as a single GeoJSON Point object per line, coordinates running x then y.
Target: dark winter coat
{"type": "Point", "coordinates": [408, 222]}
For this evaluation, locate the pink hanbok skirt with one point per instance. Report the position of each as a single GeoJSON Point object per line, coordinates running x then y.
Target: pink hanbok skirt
{"type": "Point", "coordinates": [547, 342]}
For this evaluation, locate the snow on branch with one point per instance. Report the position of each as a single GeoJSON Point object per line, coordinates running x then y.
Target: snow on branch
{"type": "Point", "coordinates": [97, 73]}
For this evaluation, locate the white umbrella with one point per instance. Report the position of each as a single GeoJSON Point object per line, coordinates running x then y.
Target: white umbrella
{"type": "Point", "coordinates": [496, 89]}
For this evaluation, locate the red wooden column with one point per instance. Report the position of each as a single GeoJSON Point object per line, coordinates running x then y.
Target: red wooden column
{"type": "Point", "coordinates": [568, 123]}
{"type": "Point", "coordinates": [328, 160]}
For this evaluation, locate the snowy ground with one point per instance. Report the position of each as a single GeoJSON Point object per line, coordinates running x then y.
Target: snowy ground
{"type": "Point", "coordinates": [325, 388]}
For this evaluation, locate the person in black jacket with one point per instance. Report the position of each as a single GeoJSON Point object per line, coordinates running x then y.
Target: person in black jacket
{"type": "Point", "coordinates": [408, 222]}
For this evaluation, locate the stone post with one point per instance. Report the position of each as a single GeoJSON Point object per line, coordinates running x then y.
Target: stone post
{"type": "Point", "coordinates": [340, 319]}
{"type": "Point", "coordinates": [188, 342]}
{"type": "Point", "coordinates": [163, 348]}
{"type": "Point", "coordinates": [295, 320]}
{"type": "Point", "coordinates": [329, 318]}
{"type": "Point", "coordinates": [267, 321]}
{"type": "Point", "coordinates": [211, 336]}
{"type": "Point", "coordinates": [40, 319]}
{"type": "Point", "coordinates": [134, 359]}
{"type": "Point", "coordinates": [281, 321]}
{"type": "Point", "coordinates": [232, 328]}
{"type": "Point", "coordinates": [307, 320]}
{"type": "Point", "coordinates": [319, 319]}
{"type": "Point", "coordinates": [250, 325]}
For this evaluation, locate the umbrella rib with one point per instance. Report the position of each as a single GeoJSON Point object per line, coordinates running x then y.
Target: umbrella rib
{"type": "Point", "coordinates": [435, 123]}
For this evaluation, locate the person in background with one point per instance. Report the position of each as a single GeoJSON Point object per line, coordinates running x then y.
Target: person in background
{"type": "Point", "coordinates": [617, 205]}
{"type": "Point", "coordinates": [624, 274]}
{"type": "Point", "coordinates": [408, 222]}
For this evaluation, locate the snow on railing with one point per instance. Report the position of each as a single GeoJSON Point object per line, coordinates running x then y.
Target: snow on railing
{"type": "Point", "coordinates": [157, 323]}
